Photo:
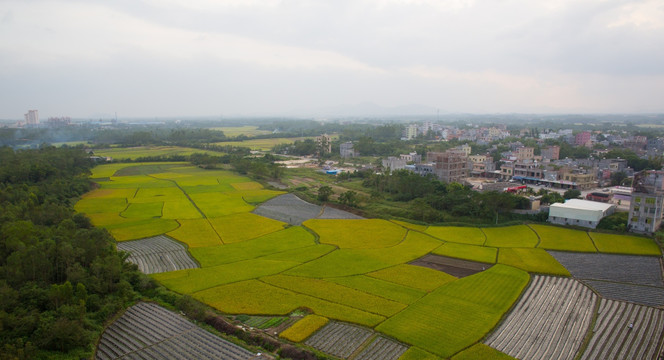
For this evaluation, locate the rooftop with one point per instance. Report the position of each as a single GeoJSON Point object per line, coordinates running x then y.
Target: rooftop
{"type": "Point", "coordinates": [583, 205]}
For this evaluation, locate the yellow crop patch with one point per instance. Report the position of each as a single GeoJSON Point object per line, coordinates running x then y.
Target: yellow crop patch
{"type": "Point", "coordinates": [304, 328]}
{"type": "Point", "coordinates": [196, 233]}
{"type": "Point", "coordinates": [464, 235]}
{"type": "Point", "coordinates": [249, 185]}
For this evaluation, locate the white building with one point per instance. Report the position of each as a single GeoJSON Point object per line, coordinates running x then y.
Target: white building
{"type": "Point", "coordinates": [579, 212]}
{"type": "Point", "coordinates": [32, 117]}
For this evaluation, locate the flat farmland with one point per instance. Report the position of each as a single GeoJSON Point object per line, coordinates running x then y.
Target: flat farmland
{"type": "Point", "coordinates": [145, 151]}
{"type": "Point", "coordinates": [255, 259]}
{"type": "Point", "coordinates": [262, 144]}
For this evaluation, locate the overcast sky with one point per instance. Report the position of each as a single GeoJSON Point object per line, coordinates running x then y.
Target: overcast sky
{"type": "Point", "coordinates": [148, 58]}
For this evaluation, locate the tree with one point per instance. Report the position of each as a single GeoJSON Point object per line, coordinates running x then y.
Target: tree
{"type": "Point", "coordinates": [324, 193]}
{"type": "Point", "coordinates": [348, 198]}
{"type": "Point", "coordinates": [572, 194]}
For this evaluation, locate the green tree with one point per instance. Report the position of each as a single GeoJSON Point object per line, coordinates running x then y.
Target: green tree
{"type": "Point", "coordinates": [324, 193]}
{"type": "Point", "coordinates": [348, 198]}
{"type": "Point", "coordinates": [572, 194]}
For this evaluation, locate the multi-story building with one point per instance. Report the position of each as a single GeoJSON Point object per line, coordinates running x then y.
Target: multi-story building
{"type": "Point", "coordinates": [324, 143]}
{"type": "Point", "coordinates": [524, 153]}
{"type": "Point", "coordinates": [528, 169]}
{"type": "Point", "coordinates": [393, 163]}
{"type": "Point", "coordinates": [581, 181]}
{"type": "Point", "coordinates": [507, 170]}
{"type": "Point", "coordinates": [582, 139]}
{"type": "Point", "coordinates": [32, 117]}
{"type": "Point", "coordinates": [551, 152]}
{"type": "Point", "coordinates": [480, 165]}
{"type": "Point", "coordinates": [647, 201]}
{"type": "Point", "coordinates": [410, 132]}
{"type": "Point", "coordinates": [466, 149]}
{"type": "Point", "coordinates": [412, 157]}
{"type": "Point", "coordinates": [449, 166]}
{"type": "Point", "coordinates": [58, 121]}
{"type": "Point", "coordinates": [346, 150]}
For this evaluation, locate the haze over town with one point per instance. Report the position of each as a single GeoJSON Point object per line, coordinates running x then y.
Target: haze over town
{"type": "Point", "coordinates": [226, 58]}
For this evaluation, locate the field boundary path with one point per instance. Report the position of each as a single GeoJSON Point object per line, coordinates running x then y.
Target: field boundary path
{"type": "Point", "coordinates": [157, 254]}
{"type": "Point", "coordinates": [631, 278]}
{"type": "Point", "coordinates": [149, 331]}
{"type": "Point", "coordinates": [185, 194]}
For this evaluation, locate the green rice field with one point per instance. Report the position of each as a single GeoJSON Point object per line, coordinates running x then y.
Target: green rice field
{"type": "Point", "coordinates": [346, 270]}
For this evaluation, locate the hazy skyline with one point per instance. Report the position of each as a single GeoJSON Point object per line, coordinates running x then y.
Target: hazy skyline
{"type": "Point", "coordinates": [247, 57]}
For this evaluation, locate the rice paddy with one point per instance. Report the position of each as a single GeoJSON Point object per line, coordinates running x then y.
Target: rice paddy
{"type": "Point", "coordinates": [355, 271]}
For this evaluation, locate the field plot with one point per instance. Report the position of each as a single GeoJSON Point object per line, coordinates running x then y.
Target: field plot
{"type": "Point", "coordinates": [196, 233]}
{"type": "Point", "coordinates": [357, 234]}
{"type": "Point", "coordinates": [382, 349]}
{"type": "Point", "coordinates": [361, 261]}
{"type": "Point", "coordinates": [558, 238]}
{"type": "Point", "coordinates": [483, 352]}
{"type": "Point", "coordinates": [410, 226]}
{"type": "Point", "coordinates": [510, 236]}
{"type": "Point", "coordinates": [550, 321]}
{"type": "Point", "coordinates": [415, 353]}
{"type": "Point", "coordinates": [148, 331]}
{"type": "Point", "coordinates": [464, 235]}
{"type": "Point", "coordinates": [244, 226]}
{"type": "Point", "coordinates": [455, 267]}
{"type": "Point", "coordinates": [271, 244]}
{"type": "Point", "coordinates": [531, 260]}
{"type": "Point", "coordinates": [304, 328]}
{"type": "Point", "coordinates": [483, 254]}
{"type": "Point", "coordinates": [339, 339]}
{"type": "Point", "coordinates": [249, 131]}
{"type": "Point", "coordinates": [137, 229]}
{"type": "Point", "coordinates": [461, 312]}
{"type": "Point", "coordinates": [215, 205]}
{"type": "Point", "coordinates": [288, 208]}
{"type": "Point", "coordinates": [416, 277]}
{"type": "Point", "coordinates": [625, 331]}
{"type": "Point", "coordinates": [382, 288]}
{"type": "Point", "coordinates": [143, 151]}
{"type": "Point", "coordinates": [261, 144]}
{"type": "Point", "coordinates": [619, 277]}
{"type": "Point", "coordinates": [157, 254]}
{"type": "Point", "coordinates": [143, 210]}
{"type": "Point", "coordinates": [256, 298]}
{"type": "Point", "coordinates": [625, 244]}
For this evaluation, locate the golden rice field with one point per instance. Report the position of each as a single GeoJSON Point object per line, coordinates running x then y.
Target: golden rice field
{"type": "Point", "coordinates": [134, 153]}
{"type": "Point", "coordinates": [347, 270]}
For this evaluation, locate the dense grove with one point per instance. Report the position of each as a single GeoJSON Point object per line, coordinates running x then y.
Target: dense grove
{"type": "Point", "coordinates": [60, 278]}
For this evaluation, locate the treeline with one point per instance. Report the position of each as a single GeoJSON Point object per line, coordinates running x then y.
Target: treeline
{"type": "Point", "coordinates": [60, 278]}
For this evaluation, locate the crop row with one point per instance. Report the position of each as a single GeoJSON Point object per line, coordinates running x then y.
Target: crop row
{"type": "Point", "coordinates": [625, 331]}
{"type": "Point", "coordinates": [640, 294]}
{"type": "Point", "coordinates": [147, 331]}
{"type": "Point", "coordinates": [549, 321]}
{"type": "Point", "coordinates": [339, 339]}
{"type": "Point", "coordinates": [382, 349]}
{"type": "Point", "coordinates": [157, 254]}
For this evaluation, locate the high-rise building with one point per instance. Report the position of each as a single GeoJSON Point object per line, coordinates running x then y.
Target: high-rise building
{"type": "Point", "coordinates": [346, 150]}
{"type": "Point", "coordinates": [324, 143]}
{"type": "Point", "coordinates": [645, 208]}
{"type": "Point", "coordinates": [551, 152]}
{"type": "Point", "coordinates": [582, 139]}
{"type": "Point", "coordinates": [32, 117]}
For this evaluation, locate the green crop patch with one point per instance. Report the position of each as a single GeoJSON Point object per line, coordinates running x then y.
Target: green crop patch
{"type": "Point", "coordinates": [91, 205]}
{"type": "Point", "coordinates": [148, 168]}
{"type": "Point", "coordinates": [462, 312]}
{"type": "Point", "coordinates": [216, 205]}
{"type": "Point", "coordinates": [302, 255]}
{"type": "Point", "coordinates": [192, 280]}
{"type": "Point", "coordinates": [127, 193]}
{"type": "Point", "coordinates": [304, 328]}
{"type": "Point", "coordinates": [410, 226]}
{"type": "Point", "coordinates": [464, 235]}
{"type": "Point", "coordinates": [357, 234]}
{"type": "Point", "coordinates": [382, 288]}
{"type": "Point", "coordinates": [259, 196]}
{"type": "Point", "coordinates": [141, 229]}
{"type": "Point", "coordinates": [143, 210]}
{"type": "Point", "coordinates": [558, 238]}
{"type": "Point", "coordinates": [531, 260]}
{"type": "Point", "coordinates": [481, 351]}
{"type": "Point", "coordinates": [272, 244]}
{"type": "Point", "coordinates": [362, 261]}
{"type": "Point", "coordinates": [180, 209]}
{"type": "Point", "coordinates": [158, 194]}
{"type": "Point", "coordinates": [196, 233]}
{"type": "Point", "coordinates": [244, 226]}
{"type": "Point", "coordinates": [204, 189]}
{"type": "Point", "coordinates": [336, 294]}
{"type": "Point", "coordinates": [256, 297]}
{"type": "Point", "coordinates": [510, 236]}
{"type": "Point", "coordinates": [139, 181]}
{"type": "Point", "coordinates": [416, 277]}
{"type": "Point", "coordinates": [415, 353]}
{"type": "Point", "coordinates": [624, 244]}
{"type": "Point", "coordinates": [106, 170]}
{"type": "Point", "coordinates": [483, 254]}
